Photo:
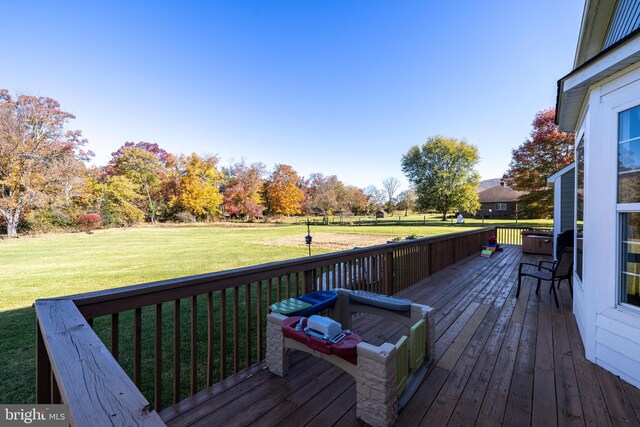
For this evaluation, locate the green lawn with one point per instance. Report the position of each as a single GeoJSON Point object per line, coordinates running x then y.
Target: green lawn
{"type": "Point", "coordinates": [63, 264]}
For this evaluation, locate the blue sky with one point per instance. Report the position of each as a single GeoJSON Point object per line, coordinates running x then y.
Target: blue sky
{"type": "Point", "coordinates": [338, 87]}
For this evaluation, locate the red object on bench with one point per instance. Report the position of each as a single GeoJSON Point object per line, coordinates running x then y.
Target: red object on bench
{"type": "Point", "coordinates": [345, 349]}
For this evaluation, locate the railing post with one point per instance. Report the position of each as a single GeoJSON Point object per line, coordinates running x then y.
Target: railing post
{"type": "Point", "coordinates": [388, 273]}
{"type": "Point", "coordinates": [308, 281]}
{"type": "Point", "coordinates": [43, 370]}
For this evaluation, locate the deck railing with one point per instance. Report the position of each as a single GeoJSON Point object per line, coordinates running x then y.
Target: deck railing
{"type": "Point", "coordinates": [109, 353]}
{"type": "Point", "coordinates": [513, 235]}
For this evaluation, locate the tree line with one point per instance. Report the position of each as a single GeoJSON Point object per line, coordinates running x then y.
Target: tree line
{"type": "Point", "coordinates": [45, 183]}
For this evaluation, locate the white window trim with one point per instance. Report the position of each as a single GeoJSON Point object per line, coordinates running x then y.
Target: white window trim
{"type": "Point", "coordinates": [622, 208]}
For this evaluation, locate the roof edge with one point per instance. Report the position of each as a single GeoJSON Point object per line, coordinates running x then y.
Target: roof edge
{"type": "Point", "coordinates": [561, 172]}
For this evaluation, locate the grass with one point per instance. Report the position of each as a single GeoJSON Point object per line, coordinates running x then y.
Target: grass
{"type": "Point", "coordinates": [62, 264]}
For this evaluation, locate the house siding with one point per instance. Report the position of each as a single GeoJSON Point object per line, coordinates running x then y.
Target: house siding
{"type": "Point", "coordinates": [567, 204]}
{"type": "Point", "coordinates": [626, 19]}
{"type": "Point", "coordinates": [618, 348]}
{"type": "Point", "coordinates": [609, 330]}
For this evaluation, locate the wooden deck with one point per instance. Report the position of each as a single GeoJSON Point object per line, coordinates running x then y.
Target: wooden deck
{"type": "Point", "coordinates": [500, 361]}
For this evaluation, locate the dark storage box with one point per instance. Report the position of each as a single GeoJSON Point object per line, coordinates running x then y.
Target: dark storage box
{"type": "Point", "coordinates": [537, 242]}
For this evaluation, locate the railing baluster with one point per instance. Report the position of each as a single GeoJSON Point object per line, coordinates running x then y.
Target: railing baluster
{"type": "Point", "coordinates": [279, 288]}
{"type": "Point", "coordinates": [223, 334]}
{"type": "Point", "coordinates": [236, 348]}
{"type": "Point", "coordinates": [343, 273]}
{"type": "Point", "coordinates": [259, 317]}
{"type": "Point", "coordinates": [285, 279]}
{"type": "Point", "coordinates": [194, 344]}
{"type": "Point", "coordinates": [334, 276]}
{"type": "Point", "coordinates": [247, 327]}
{"type": "Point", "coordinates": [210, 339]}
{"type": "Point", "coordinates": [158, 350]}
{"type": "Point", "coordinates": [308, 281]}
{"type": "Point", "coordinates": [176, 351]}
{"type": "Point", "coordinates": [114, 335]}
{"type": "Point", "coordinates": [388, 273]}
{"type": "Point", "coordinates": [350, 275]}
{"type": "Point", "coordinates": [137, 347]}
{"type": "Point", "coordinates": [268, 291]}
{"type": "Point", "coordinates": [294, 279]}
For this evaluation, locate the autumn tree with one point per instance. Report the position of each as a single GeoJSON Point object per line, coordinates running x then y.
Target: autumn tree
{"type": "Point", "coordinates": [545, 152]}
{"type": "Point", "coordinates": [390, 185]}
{"type": "Point", "coordinates": [38, 155]}
{"type": "Point", "coordinates": [198, 185]}
{"type": "Point", "coordinates": [145, 165]}
{"type": "Point", "coordinates": [119, 200]}
{"type": "Point", "coordinates": [443, 173]}
{"type": "Point", "coordinates": [242, 187]}
{"type": "Point", "coordinates": [281, 192]}
{"type": "Point", "coordinates": [352, 199]}
{"type": "Point", "coordinates": [324, 194]}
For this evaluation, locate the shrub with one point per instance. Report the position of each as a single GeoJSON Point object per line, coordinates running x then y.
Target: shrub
{"type": "Point", "coordinates": [185, 217]}
{"type": "Point", "coordinates": [88, 222]}
{"type": "Point", "coordinates": [47, 219]}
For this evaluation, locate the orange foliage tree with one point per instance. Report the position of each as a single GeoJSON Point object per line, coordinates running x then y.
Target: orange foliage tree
{"type": "Point", "coordinates": [546, 151]}
{"type": "Point", "coordinates": [281, 192]}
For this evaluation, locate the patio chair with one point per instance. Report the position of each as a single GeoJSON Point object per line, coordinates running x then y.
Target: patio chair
{"type": "Point", "coordinates": [563, 241]}
{"type": "Point", "coordinates": [559, 270]}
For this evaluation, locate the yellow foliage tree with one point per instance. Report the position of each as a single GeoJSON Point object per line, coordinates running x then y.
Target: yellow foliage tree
{"type": "Point", "coordinates": [198, 185]}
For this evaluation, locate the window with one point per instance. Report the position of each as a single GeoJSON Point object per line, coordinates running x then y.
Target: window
{"type": "Point", "coordinates": [630, 259]}
{"type": "Point", "coordinates": [629, 156]}
{"type": "Point", "coordinates": [629, 204]}
{"type": "Point", "coordinates": [579, 205]}
{"type": "Point", "coordinates": [501, 206]}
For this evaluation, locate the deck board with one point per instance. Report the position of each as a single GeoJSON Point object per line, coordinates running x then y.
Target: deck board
{"type": "Point", "coordinates": [499, 361]}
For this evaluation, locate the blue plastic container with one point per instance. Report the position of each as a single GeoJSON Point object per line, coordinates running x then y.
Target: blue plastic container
{"type": "Point", "coordinates": [319, 300]}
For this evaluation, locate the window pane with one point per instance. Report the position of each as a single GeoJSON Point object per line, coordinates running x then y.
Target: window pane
{"type": "Point", "coordinates": [629, 156]}
{"type": "Point", "coordinates": [579, 205]}
{"type": "Point", "coordinates": [629, 124]}
{"type": "Point", "coordinates": [629, 187]}
{"type": "Point", "coordinates": [630, 259]}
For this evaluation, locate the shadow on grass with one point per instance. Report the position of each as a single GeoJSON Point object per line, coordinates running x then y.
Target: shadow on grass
{"type": "Point", "coordinates": [18, 350]}
{"type": "Point", "coordinates": [18, 356]}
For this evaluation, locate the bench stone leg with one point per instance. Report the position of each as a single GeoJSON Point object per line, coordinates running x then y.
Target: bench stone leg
{"type": "Point", "coordinates": [277, 356]}
{"type": "Point", "coordinates": [377, 402]}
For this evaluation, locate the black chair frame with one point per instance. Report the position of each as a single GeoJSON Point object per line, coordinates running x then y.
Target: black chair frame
{"type": "Point", "coordinates": [538, 274]}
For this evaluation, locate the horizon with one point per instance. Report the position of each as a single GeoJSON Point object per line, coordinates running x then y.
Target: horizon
{"type": "Point", "coordinates": [311, 85]}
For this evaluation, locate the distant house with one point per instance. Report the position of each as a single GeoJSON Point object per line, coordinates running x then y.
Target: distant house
{"type": "Point", "coordinates": [380, 214]}
{"type": "Point", "coordinates": [499, 201]}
